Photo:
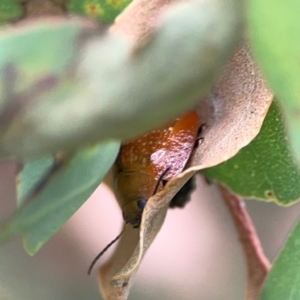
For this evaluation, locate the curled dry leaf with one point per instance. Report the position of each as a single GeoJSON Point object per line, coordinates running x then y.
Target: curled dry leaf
{"type": "Point", "coordinates": [123, 253]}
{"type": "Point", "coordinates": [134, 24]}
{"type": "Point", "coordinates": [233, 112]}
{"type": "Point", "coordinates": [115, 276]}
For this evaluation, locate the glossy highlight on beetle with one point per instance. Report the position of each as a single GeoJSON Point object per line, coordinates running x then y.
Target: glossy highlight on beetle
{"type": "Point", "coordinates": [146, 163]}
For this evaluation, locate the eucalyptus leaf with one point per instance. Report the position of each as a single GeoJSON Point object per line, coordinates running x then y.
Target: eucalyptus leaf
{"type": "Point", "coordinates": [150, 83]}
{"type": "Point", "coordinates": [275, 37]}
{"type": "Point", "coordinates": [265, 169]}
{"type": "Point", "coordinates": [10, 10]}
{"type": "Point", "coordinates": [68, 187]}
{"type": "Point", "coordinates": [48, 48]}
{"type": "Point", "coordinates": [283, 280]}
{"type": "Point", "coordinates": [102, 10]}
{"type": "Point", "coordinates": [33, 171]}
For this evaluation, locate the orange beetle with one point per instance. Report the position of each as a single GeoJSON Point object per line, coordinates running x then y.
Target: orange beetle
{"type": "Point", "coordinates": [146, 163]}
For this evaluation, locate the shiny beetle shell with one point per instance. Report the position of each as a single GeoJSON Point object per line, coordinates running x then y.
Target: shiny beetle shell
{"type": "Point", "coordinates": [142, 161]}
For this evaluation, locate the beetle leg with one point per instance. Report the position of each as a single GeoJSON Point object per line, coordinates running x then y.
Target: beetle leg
{"type": "Point", "coordinates": [160, 179]}
{"type": "Point", "coordinates": [200, 139]}
{"type": "Point", "coordinates": [201, 129]}
{"type": "Point", "coordinates": [164, 182]}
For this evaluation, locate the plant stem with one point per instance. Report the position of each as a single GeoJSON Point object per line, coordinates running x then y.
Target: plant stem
{"type": "Point", "coordinates": [257, 263]}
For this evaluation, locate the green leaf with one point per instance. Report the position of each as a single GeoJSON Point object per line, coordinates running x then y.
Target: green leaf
{"type": "Point", "coordinates": [98, 73]}
{"type": "Point", "coordinates": [265, 169]}
{"type": "Point", "coordinates": [104, 11]}
{"type": "Point", "coordinates": [275, 37]}
{"type": "Point", "coordinates": [10, 10]}
{"type": "Point", "coordinates": [283, 280]}
{"type": "Point", "coordinates": [32, 173]}
{"type": "Point", "coordinates": [68, 187]}
{"type": "Point", "coordinates": [47, 50]}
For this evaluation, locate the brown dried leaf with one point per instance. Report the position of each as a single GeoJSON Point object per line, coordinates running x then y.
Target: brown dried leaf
{"type": "Point", "coordinates": [233, 112]}
{"type": "Point", "coordinates": [124, 251]}
{"type": "Point", "coordinates": [115, 277]}
{"type": "Point", "coordinates": [140, 18]}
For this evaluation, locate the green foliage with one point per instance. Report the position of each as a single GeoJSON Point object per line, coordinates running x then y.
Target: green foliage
{"type": "Point", "coordinates": [274, 31]}
{"type": "Point", "coordinates": [38, 66]}
{"type": "Point", "coordinates": [64, 191]}
{"type": "Point", "coordinates": [275, 38]}
{"type": "Point", "coordinates": [31, 174]}
{"type": "Point", "coordinates": [10, 10]}
{"type": "Point", "coordinates": [265, 169]}
{"type": "Point", "coordinates": [283, 280]}
{"type": "Point", "coordinates": [98, 73]}
{"type": "Point", "coordinates": [104, 11]}
{"type": "Point", "coordinates": [47, 50]}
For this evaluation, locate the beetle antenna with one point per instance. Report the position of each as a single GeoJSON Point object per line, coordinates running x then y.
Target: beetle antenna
{"type": "Point", "coordinates": [103, 251]}
{"type": "Point", "coordinates": [161, 177]}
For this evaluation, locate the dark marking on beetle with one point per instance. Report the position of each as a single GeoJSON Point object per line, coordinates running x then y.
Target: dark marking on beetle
{"type": "Point", "coordinates": [184, 194]}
